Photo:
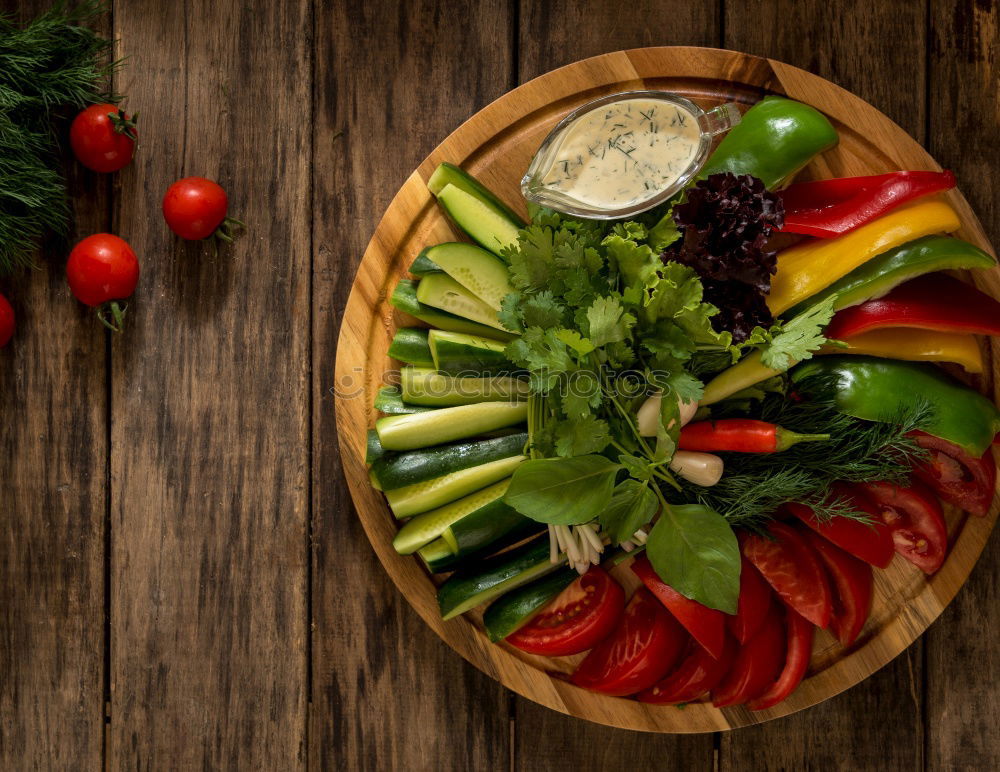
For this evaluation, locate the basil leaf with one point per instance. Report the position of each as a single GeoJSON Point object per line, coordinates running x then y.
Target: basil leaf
{"type": "Point", "coordinates": [639, 468]}
{"type": "Point", "coordinates": [563, 491]}
{"type": "Point", "coordinates": [694, 550]}
{"type": "Point", "coordinates": [632, 505]}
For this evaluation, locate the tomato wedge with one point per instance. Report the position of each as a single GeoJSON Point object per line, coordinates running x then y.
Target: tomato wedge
{"type": "Point", "coordinates": [639, 653]}
{"type": "Point", "coordinates": [870, 543]}
{"type": "Point", "coordinates": [798, 650]}
{"type": "Point", "coordinates": [706, 625]}
{"type": "Point", "coordinates": [792, 568]}
{"type": "Point", "coordinates": [698, 673]}
{"type": "Point", "coordinates": [581, 616]}
{"type": "Point", "coordinates": [915, 519]}
{"type": "Point", "coordinates": [756, 665]}
{"type": "Point", "coordinates": [754, 603]}
{"type": "Point", "coordinates": [852, 582]}
{"type": "Point", "coordinates": [957, 477]}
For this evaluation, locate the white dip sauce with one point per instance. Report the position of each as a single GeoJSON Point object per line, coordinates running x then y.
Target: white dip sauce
{"type": "Point", "coordinates": [624, 153]}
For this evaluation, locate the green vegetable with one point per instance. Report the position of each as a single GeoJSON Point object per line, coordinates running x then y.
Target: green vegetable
{"type": "Point", "coordinates": [429, 387]}
{"type": "Point", "coordinates": [632, 505]}
{"type": "Point", "coordinates": [423, 265]}
{"type": "Point", "coordinates": [479, 218]}
{"type": "Point", "coordinates": [409, 345]}
{"type": "Point", "coordinates": [482, 533]}
{"type": "Point", "coordinates": [421, 430]}
{"type": "Point", "coordinates": [482, 273]}
{"type": "Point", "coordinates": [430, 525]}
{"type": "Point", "coordinates": [515, 609]}
{"type": "Point", "coordinates": [389, 400]}
{"type": "Point", "coordinates": [456, 353]}
{"type": "Point", "coordinates": [423, 496]}
{"type": "Point", "coordinates": [404, 298]}
{"type": "Point", "coordinates": [440, 291]}
{"type": "Point", "coordinates": [449, 174]}
{"type": "Point", "coordinates": [563, 491]}
{"type": "Point", "coordinates": [373, 448]}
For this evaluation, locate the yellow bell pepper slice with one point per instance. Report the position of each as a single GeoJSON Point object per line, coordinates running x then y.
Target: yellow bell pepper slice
{"type": "Point", "coordinates": [807, 268]}
{"type": "Point", "coordinates": [915, 346]}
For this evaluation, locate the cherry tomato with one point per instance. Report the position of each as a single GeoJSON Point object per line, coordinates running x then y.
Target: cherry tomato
{"type": "Point", "coordinates": [706, 625]}
{"type": "Point", "coordinates": [103, 138]}
{"type": "Point", "coordinates": [698, 673]}
{"type": "Point", "coordinates": [755, 602]}
{"type": "Point", "coordinates": [852, 584]}
{"type": "Point", "coordinates": [102, 269]}
{"type": "Point", "coordinates": [957, 477]}
{"type": "Point", "coordinates": [792, 568]}
{"type": "Point", "coordinates": [870, 543]}
{"type": "Point", "coordinates": [639, 653]}
{"type": "Point", "coordinates": [581, 616]}
{"type": "Point", "coordinates": [195, 208]}
{"type": "Point", "coordinates": [757, 664]}
{"type": "Point", "coordinates": [915, 519]}
{"type": "Point", "coordinates": [798, 650]}
{"type": "Point", "coordinates": [6, 322]}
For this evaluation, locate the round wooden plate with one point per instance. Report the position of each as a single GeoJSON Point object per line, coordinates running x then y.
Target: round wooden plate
{"type": "Point", "coordinates": [496, 145]}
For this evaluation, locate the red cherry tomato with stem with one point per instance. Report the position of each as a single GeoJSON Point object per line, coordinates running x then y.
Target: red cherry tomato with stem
{"type": "Point", "coordinates": [798, 650]}
{"type": "Point", "coordinates": [757, 664]}
{"type": "Point", "coordinates": [852, 585]}
{"type": "Point", "coordinates": [698, 673]}
{"type": "Point", "coordinates": [195, 208]}
{"type": "Point", "coordinates": [915, 520]}
{"type": "Point", "coordinates": [755, 601]}
{"type": "Point", "coordinates": [102, 270]}
{"type": "Point", "coordinates": [6, 321]}
{"type": "Point", "coordinates": [870, 542]}
{"type": "Point", "coordinates": [957, 477]}
{"type": "Point", "coordinates": [103, 137]}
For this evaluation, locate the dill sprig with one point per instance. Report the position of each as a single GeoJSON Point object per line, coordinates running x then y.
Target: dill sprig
{"type": "Point", "coordinates": [49, 65]}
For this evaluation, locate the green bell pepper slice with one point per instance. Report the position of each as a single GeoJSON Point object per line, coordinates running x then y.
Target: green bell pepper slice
{"type": "Point", "coordinates": [914, 258]}
{"type": "Point", "coordinates": [882, 389]}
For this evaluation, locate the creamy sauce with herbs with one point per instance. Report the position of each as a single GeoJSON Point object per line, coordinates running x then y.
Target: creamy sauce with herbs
{"type": "Point", "coordinates": [624, 153]}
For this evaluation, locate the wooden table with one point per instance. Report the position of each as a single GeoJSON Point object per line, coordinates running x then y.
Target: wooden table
{"type": "Point", "coordinates": [184, 581]}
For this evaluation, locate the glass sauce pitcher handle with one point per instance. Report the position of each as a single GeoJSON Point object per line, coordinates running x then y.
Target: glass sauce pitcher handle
{"type": "Point", "coordinates": [719, 119]}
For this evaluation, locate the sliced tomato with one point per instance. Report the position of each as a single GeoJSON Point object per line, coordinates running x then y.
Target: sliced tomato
{"type": "Point", "coordinates": [870, 543]}
{"type": "Point", "coordinates": [581, 616]}
{"type": "Point", "coordinates": [698, 673]}
{"type": "Point", "coordinates": [706, 625]}
{"type": "Point", "coordinates": [957, 477]}
{"type": "Point", "coordinates": [756, 665]}
{"type": "Point", "coordinates": [852, 583]}
{"type": "Point", "coordinates": [792, 568]}
{"type": "Point", "coordinates": [915, 519]}
{"type": "Point", "coordinates": [798, 650]}
{"type": "Point", "coordinates": [754, 603]}
{"type": "Point", "coordinates": [642, 649]}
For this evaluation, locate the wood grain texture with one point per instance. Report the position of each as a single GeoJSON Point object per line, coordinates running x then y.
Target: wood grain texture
{"type": "Point", "coordinates": [496, 144]}
{"type": "Point", "coordinates": [386, 693]}
{"type": "Point", "coordinates": [210, 404]}
{"type": "Point", "coordinates": [962, 701]}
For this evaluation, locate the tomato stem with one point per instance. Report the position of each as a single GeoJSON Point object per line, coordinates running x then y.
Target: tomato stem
{"type": "Point", "coordinates": [117, 312]}
{"type": "Point", "coordinates": [124, 125]}
{"type": "Point", "coordinates": [227, 229]}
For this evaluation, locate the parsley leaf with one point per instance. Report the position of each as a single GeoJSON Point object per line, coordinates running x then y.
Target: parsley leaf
{"type": "Point", "coordinates": [607, 321]}
{"type": "Point", "coordinates": [580, 436]}
{"type": "Point", "coordinates": [799, 337]}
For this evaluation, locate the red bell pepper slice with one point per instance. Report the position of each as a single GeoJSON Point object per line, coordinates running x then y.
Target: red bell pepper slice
{"type": "Point", "coordinates": [706, 625]}
{"type": "Point", "coordinates": [852, 581]}
{"type": "Point", "coordinates": [798, 650]}
{"type": "Point", "coordinates": [934, 301]}
{"type": "Point", "coordinates": [829, 208]}
{"type": "Point", "coordinates": [698, 673]}
{"type": "Point", "coordinates": [756, 666]}
{"type": "Point", "coordinates": [957, 477]}
{"type": "Point", "coordinates": [754, 603]}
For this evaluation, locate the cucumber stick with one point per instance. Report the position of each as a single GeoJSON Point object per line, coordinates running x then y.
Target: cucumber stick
{"type": "Point", "coordinates": [373, 449]}
{"type": "Point", "coordinates": [480, 219]}
{"type": "Point", "coordinates": [424, 496]}
{"type": "Point", "coordinates": [441, 291]}
{"type": "Point", "coordinates": [421, 430]}
{"type": "Point", "coordinates": [390, 401]}
{"type": "Point", "coordinates": [409, 345]}
{"type": "Point", "coordinates": [423, 264]}
{"type": "Point", "coordinates": [430, 525]}
{"type": "Point", "coordinates": [482, 273]}
{"type": "Point", "coordinates": [421, 386]}
{"type": "Point", "coordinates": [471, 355]}
{"type": "Point", "coordinates": [404, 298]}
{"type": "Point", "coordinates": [449, 174]}
{"type": "Point", "coordinates": [515, 609]}
{"type": "Point", "coordinates": [480, 534]}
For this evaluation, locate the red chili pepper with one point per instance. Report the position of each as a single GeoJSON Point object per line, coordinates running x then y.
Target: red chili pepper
{"type": "Point", "coordinates": [741, 435]}
{"type": "Point", "coordinates": [829, 208]}
{"type": "Point", "coordinates": [934, 301]}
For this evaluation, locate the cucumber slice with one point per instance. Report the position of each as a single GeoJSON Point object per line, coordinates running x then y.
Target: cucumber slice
{"type": "Point", "coordinates": [404, 297]}
{"type": "Point", "coordinates": [430, 525]}
{"type": "Point", "coordinates": [432, 427]}
{"type": "Point", "coordinates": [475, 537]}
{"type": "Point", "coordinates": [449, 174]}
{"type": "Point", "coordinates": [390, 401]}
{"type": "Point", "coordinates": [479, 219]}
{"type": "Point", "coordinates": [373, 450]}
{"type": "Point", "coordinates": [424, 265]}
{"type": "Point", "coordinates": [482, 273]}
{"type": "Point", "coordinates": [423, 496]}
{"type": "Point", "coordinates": [515, 609]}
{"type": "Point", "coordinates": [396, 470]}
{"type": "Point", "coordinates": [409, 345]}
{"type": "Point", "coordinates": [421, 386]}
{"type": "Point", "coordinates": [494, 576]}
{"type": "Point", "coordinates": [468, 355]}
{"type": "Point", "coordinates": [444, 293]}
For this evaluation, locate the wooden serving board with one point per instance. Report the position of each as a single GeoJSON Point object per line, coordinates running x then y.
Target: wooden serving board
{"type": "Point", "coordinates": [496, 145]}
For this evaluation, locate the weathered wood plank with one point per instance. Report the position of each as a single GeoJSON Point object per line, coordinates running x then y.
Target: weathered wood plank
{"type": "Point", "coordinates": [210, 399]}
{"type": "Point", "coordinates": [963, 666]}
{"type": "Point", "coordinates": [393, 79]}
{"type": "Point", "coordinates": [53, 467]}
{"type": "Point", "coordinates": [844, 42]}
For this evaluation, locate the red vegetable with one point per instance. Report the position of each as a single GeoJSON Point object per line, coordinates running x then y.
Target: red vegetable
{"type": "Point", "coordinates": [582, 615]}
{"type": "Point", "coordinates": [915, 520]}
{"type": "Point", "coordinates": [195, 208]}
{"type": "Point", "coordinates": [829, 208]}
{"type": "Point", "coordinates": [6, 322]}
{"type": "Point", "coordinates": [957, 477]}
{"type": "Point", "coordinates": [756, 666]}
{"type": "Point", "coordinates": [793, 569]}
{"type": "Point", "coordinates": [102, 269]}
{"type": "Point", "coordinates": [740, 435]}
{"type": "Point", "coordinates": [698, 673]}
{"type": "Point", "coordinates": [934, 301]}
{"type": "Point", "coordinates": [798, 650]}
{"type": "Point", "coordinates": [754, 603]}
{"type": "Point", "coordinates": [852, 581]}
{"type": "Point", "coordinates": [639, 653]}
{"type": "Point", "coordinates": [103, 138]}
{"type": "Point", "coordinates": [706, 625]}
{"type": "Point", "coordinates": [870, 543]}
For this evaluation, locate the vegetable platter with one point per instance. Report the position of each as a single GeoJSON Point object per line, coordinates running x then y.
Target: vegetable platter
{"type": "Point", "coordinates": [522, 616]}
